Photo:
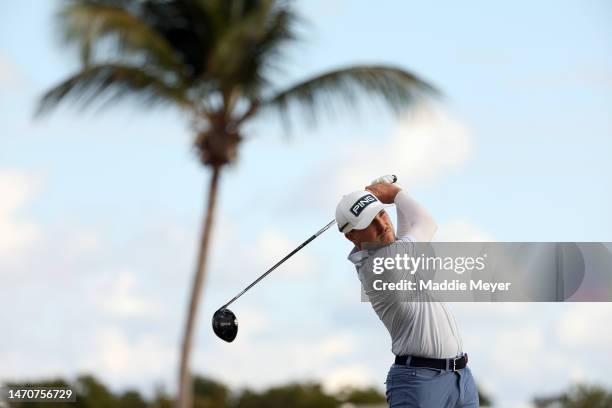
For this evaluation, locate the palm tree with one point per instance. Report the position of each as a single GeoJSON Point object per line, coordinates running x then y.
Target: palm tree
{"type": "Point", "coordinates": [215, 60]}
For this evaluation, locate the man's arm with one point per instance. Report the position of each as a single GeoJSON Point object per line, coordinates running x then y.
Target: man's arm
{"type": "Point", "coordinates": [412, 218]}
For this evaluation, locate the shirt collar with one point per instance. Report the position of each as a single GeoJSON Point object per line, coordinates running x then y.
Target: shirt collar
{"type": "Point", "coordinates": [358, 257]}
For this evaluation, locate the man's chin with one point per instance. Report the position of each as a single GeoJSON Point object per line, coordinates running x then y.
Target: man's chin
{"type": "Point", "coordinates": [380, 241]}
{"type": "Point", "coordinates": [387, 239]}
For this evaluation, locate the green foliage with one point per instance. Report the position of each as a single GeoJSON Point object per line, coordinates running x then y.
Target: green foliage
{"type": "Point", "coordinates": [90, 393]}
{"type": "Point", "coordinates": [392, 86]}
{"type": "Point", "coordinates": [580, 396]}
{"type": "Point", "coordinates": [361, 396]}
{"type": "Point", "coordinates": [307, 395]}
{"type": "Point", "coordinates": [94, 394]}
{"type": "Point", "coordinates": [209, 393]}
{"type": "Point", "coordinates": [162, 400]}
{"type": "Point", "coordinates": [485, 399]}
{"type": "Point", "coordinates": [103, 83]}
{"type": "Point", "coordinates": [131, 399]}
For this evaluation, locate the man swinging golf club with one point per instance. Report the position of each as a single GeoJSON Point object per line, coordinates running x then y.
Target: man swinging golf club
{"type": "Point", "coordinates": [430, 368]}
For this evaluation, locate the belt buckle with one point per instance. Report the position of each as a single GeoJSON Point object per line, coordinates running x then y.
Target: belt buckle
{"type": "Point", "coordinates": [455, 364]}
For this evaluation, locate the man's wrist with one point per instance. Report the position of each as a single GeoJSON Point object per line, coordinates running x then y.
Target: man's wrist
{"type": "Point", "coordinates": [385, 192]}
{"type": "Point", "coordinates": [390, 194]}
{"type": "Point", "coordinates": [397, 194]}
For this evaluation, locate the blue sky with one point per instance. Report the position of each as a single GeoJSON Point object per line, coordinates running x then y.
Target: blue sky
{"type": "Point", "coordinates": [102, 210]}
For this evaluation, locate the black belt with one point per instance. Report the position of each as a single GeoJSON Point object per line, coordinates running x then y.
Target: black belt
{"type": "Point", "coordinates": [441, 363]}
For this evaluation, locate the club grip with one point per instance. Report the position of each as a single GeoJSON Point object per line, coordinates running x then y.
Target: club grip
{"type": "Point", "coordinates": [388, 178]}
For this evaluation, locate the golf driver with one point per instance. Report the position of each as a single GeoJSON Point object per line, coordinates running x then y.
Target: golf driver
{"type": "Point", "coordinates": [224, 322]}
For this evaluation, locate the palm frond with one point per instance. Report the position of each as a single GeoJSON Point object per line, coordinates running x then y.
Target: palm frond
{"type": "Point", "coordinates": [394, 87]}
{"type": "Point", "coordinates": [248, 48]}
{"type": "Point", "coordinates": [235, 37]}
{"type": "Point", "coordinates": [86, 23]}
{"type": "Point", "coordinates": [110, 82]}
{"type": "Point", "coordinates": [188, 26]}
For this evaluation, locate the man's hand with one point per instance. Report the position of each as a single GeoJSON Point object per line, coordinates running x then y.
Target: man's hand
{"type": "Point", "coordinates": [385, 192]}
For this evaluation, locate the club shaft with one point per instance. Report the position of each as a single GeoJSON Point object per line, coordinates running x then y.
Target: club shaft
{"type": "Point", "coordinates": [279, 263]}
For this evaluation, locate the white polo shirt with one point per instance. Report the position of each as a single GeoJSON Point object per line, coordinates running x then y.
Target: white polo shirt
{"type": "Point", "coordinates": [417, 328]}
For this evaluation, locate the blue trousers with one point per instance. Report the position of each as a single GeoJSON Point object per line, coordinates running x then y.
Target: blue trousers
{"type": "Point", "coordinates": [430, 388]}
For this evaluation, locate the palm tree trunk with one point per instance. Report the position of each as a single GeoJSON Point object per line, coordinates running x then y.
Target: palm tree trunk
{"type": "Point", "coordinates": [185, 390]}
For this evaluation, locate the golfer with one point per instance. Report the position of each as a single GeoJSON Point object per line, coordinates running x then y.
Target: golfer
{"type": "Point", "coordinates": [430, 368]}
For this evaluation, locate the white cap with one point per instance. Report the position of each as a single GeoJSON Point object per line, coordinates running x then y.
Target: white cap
{"type": "Point", "coordinates": [357, 210]}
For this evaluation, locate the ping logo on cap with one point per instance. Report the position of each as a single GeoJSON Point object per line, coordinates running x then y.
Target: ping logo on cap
{"type": "Point", "coordinates": [362, 203]}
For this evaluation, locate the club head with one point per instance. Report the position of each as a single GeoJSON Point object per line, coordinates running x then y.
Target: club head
{"type": "Point", "coordinates": [225, 324]}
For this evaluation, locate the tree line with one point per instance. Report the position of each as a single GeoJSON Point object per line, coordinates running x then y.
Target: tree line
{"type": "Point", "coordinates": [210, 393]}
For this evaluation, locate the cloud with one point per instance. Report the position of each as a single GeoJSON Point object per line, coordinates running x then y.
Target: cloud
{"type": "Point", "coordinates": [336, 345]}
{"type": "Point", "coordinates": [551, 346]}
{"type": "Point", "coordinates": [594, 74]}
{"type": "Point", "coordinates": [16, 189]}
{"type": "Point", "coordinates": [258, 321]}
{"type": "Point", "coordinates": [122, 359]}
{"type": "Point", "coordinates": [422, 147]}
{"type": "Point", "coordinates": [318, 357]}
{"type": "Point", "coordinates": [581, 326]}
{"type": "Point", "coordinates": [118, 297]}
{"type": "Point", "coordinates": [350, 349]}
{"type": "Point", "coordinates": [272, 245]}
{"type": "Point", "coordinates": [81, 243]}
{"type": "Point", "coordinates": [523, 343]}
{"type": "Point", "coordinates": [462, 230]}
{"type": "Point", "coordinates": [10, 77]}
{"type": "Point", "coordinates": [352, 375]}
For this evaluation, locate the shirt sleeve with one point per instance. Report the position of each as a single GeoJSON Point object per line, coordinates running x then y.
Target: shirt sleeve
{"type": "Point", "coordinates": [413, 221]}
